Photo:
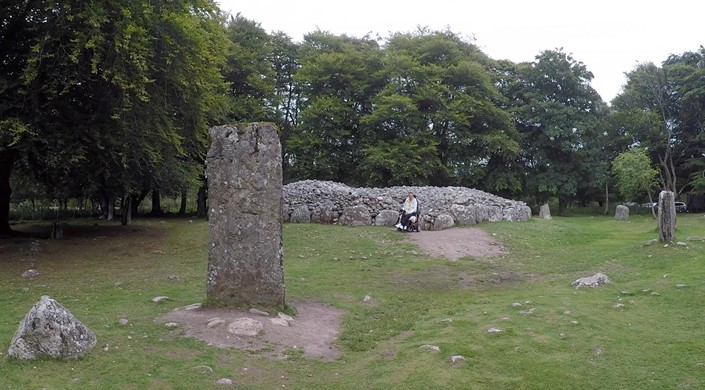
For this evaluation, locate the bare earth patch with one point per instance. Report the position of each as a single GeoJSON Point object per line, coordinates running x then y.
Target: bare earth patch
{"type": "Point", "coordinates": [455, 243]}
{"type": "Point", "coordinates": [316, 326]}
{"type": "Point", "coordinates": [314, 330]}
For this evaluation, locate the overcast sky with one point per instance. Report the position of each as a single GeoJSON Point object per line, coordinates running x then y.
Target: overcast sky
{"type": "Point", "coordinates": [609, 36]}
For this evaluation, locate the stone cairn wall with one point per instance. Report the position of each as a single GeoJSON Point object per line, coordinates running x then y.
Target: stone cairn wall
{"type": "Point", "coordinates": [441, 207]}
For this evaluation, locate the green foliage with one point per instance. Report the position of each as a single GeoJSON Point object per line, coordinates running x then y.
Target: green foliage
{"type": "Point", "coordinates": [635, 173]}
{"type": "Point", "coordinates": [113, 92]}
{"type": "Point", "coordinates": [558, 114]}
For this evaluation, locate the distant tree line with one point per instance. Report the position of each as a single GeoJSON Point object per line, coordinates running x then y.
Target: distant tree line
{"type": "Point", "coordinates": [112, 101]}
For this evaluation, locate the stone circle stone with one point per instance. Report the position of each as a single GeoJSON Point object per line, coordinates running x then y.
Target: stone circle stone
{"type": "Point", "coordinates": [355, 216]}
{"type": "Point", "coordinates": [387, 218]}
{"type": "Point", "coordinates": [300, 214]}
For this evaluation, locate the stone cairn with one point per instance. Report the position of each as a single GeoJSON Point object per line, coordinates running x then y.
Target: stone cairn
{"type": "Point", "coordinates": [441, 207]}
{"type": "Point", "coordinates": [245, 260]}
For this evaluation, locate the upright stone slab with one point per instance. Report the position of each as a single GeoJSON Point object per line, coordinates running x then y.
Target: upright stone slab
{"type": "Point", "coordinates": [545, 212]}
{"type": "Point", "coordinates": [666, 217]}
{"type": "Point", "coordinates": [245, 194]}
{"type": "Point", "coordinates": [621, 213]}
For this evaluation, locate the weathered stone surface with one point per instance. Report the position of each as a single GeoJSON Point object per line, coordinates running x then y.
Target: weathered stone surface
{"type": "Point", "coordinates": [49, 329]}
{"type": "Point", "coordinates": [622, 213]}
{"type": "Point", "coordinates": [324, 213]}
{"type": "Point", "coordinates": [355, 216]}
{"type": "Point", "coordinates": [245, 262]}
{"type": "Point", "coordinates": [666, 217]}
{"type": "Point", "coordinates": [387, 218]}
{"type": "Point", "coordinates": [597, 280]}
{"type": "Point", "coordinates": [545, 212]}
{"type": "Point", "coordinates": [326, 201]}
{"type": "Point", "coordinates": [301, 214]}
{"type": "Point", "coordinates": [464, 215]}
{"type": "Point", "coordinates": [245, 327]}
{"type": "Point", "coordinates": [279, 321]}
{"type": "Point", "coordinates": [443, 221]}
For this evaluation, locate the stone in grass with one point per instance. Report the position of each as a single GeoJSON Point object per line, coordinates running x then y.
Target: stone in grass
{"type": "Point", "coordinates": [431, 347]}
{"type": "Point", "coordinates": [171, 324]}
{"type": "Point", "coordinates": [213, 322]}
{"type": "Point", "coordinates": [193, 306]}
{"type": "Point", "coordinates": [494, 330]}
{"type": "Point", "coordinates": [225, 381]}
{"type": "Point", "coordinates": [50, 330]}
{"type": "Point", "coordinates": [245, 327]}
{"type": "Point", "coordinates": [286, 317]}
{"type": "Point", "coordinates": [279, 321]}
{"type": "Point", "coordinates": [596, 280]}
{"type": "Point", "coordinates": [457, 358]}
{"type": "Point", "coordinates": [123, 321]}
{"type": "Point", "coordinates": [160, 299]}
{"type": "Point", "coordinates": [258, 312]}
{"type": "Point", "coordinates": [30, 273]}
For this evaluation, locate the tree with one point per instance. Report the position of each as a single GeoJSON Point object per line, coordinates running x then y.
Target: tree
{"type": "Point", "coordinates": [440, 94]}
{"type": "Point", "coordinates": [337, 79]}
{"type": "Point", "coordinates": [635, 174]}
{"type": "Point", "coordinates": [671, 99]}
{"type": "Point", "coordinates": [557, 112]}
{"type": "Point", "coordinates": [108, 92]}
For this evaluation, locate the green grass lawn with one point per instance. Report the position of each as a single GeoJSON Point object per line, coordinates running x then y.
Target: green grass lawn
{"type": "Point", "coordinates": [552, 336]}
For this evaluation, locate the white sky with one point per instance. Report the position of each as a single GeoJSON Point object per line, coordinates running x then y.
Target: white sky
{"type": "Point", "coordinates": [609, 36]}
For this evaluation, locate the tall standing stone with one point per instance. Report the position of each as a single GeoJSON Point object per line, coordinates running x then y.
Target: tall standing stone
{"type": "Point", "coordinates": [666, 217]}
{"type": "Point", "coordinates": [245, 194]}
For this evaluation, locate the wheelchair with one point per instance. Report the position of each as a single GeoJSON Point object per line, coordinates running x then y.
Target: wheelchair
{"type": "Point", "coordinates": [413, 225]}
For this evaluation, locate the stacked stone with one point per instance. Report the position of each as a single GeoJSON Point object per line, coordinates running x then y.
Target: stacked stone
{"type": "Point", "coordinates": [441, 207]}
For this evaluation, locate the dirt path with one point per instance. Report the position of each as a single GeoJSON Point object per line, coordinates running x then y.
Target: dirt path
{"type": "Point", "coordinates": [316, 326]}
{"type": "Point", "coordinates": [455, 243]}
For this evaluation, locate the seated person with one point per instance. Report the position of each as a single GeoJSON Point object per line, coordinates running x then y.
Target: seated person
{"type": "Point", "coordinates": [408, 210]}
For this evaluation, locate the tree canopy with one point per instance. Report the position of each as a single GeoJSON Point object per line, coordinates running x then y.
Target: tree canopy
{"type": "Point", "coordinates": [112, 100]}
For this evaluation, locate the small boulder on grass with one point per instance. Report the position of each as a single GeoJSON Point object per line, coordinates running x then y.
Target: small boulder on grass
{"type": "Point", "coordinates": [597, 280]}
{"type": "Point", "coordinates": [50, 330]}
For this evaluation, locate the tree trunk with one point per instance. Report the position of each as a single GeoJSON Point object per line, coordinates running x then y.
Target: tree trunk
{"type": "Point", "coordinates": [107, 205]}
{"type": "Point", "coordinates": [126, 210]}
{"type": "Point", "coordinates": [651, 202]}
{"type": "Point", "coordinates": [666, 217]}
{"type": "Point", "coordinates": [182, 209]}
{"type": "Point", "coordinates": [607, 198]}
{"type": "Point", "coordinates": [562, 206]}
{"type": "Point", "coordinates": [156, 204]}
{"type": "Point", "coordinates": [7, 160]}
{"type": "Point", "coordinates": [202, 210]}
{"type": "Point", "coordinates": [137, 200]}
